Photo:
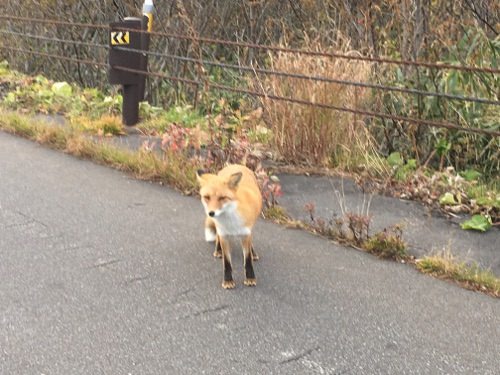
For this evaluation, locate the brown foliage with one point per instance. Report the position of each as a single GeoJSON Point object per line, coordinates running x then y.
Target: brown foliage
{"type": "Point", "coordinates": [410, 28]}
{"type": "Point", "coordinates": [309, 134]}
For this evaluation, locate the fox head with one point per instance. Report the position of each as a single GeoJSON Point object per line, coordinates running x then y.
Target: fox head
{"type": "Point", "coordinates": [218, 193]}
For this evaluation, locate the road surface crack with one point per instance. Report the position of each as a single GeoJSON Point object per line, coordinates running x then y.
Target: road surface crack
{"type": "Point", "coordinates": [299, 356]}
{"type": "Point", "coordinates": [138, 279]}
{"type": "Point", "coordinates": [214, 309]}
{"type": "Point", "coordinates": [207, 311]}
{"type": "Point", "coordinates": [105, 264]}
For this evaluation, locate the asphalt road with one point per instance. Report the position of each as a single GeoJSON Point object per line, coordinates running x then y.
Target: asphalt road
{"type": "Point", "coordinates": [103, 274]}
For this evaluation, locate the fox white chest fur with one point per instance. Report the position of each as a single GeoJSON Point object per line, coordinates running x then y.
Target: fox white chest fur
{"type": "Point", "coordinates": [228, 222]}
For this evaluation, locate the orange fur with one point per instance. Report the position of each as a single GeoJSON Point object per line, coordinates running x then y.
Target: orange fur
{"type": "Point", "coordinates": [233, 203]}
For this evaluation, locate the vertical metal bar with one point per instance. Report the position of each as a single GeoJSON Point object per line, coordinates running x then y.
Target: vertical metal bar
{"type": "Point", "coordinates": [147, 25]}
{"type": "Point", "coordinates": [130, 108]}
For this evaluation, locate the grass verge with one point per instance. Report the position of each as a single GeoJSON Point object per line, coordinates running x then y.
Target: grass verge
{"type": "Point", "coordinates": [172, 169]}
{"type": "Point", "coordinates": [470, 276]}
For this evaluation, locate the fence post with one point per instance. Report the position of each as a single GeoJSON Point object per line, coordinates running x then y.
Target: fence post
{"type": "Point", "coordinates": [125, 53]}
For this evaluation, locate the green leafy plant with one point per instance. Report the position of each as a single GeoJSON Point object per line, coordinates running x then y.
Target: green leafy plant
{"type": "Point", "coordinates": [41, 95]}
{"type": "Point", "coordinates": [478, 222]}
{"type": "Point", "coordinates": [453, 194]}
{"type": "Point", "coordinates": [395, 159]}
{"type": "Point", "coordinates": [401, 169]}
{"type": "Point", "coordinates": [63, 89]}
{"type": "Point", "coordinates": [470, 175]}
{"type": "Point", "coordinates": [448, 199]}
{"type": "Point", "coordinates": [4, 68]}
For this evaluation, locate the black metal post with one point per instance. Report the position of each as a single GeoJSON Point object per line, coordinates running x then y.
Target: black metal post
{"type": "Point", "coordinates": [126, 44]}
{"type": "Point", "coordinates": [130, 106]}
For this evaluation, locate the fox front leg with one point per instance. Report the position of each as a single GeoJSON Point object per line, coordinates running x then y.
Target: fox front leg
{"type": "Point", "coordinates": [218, 248]}
{"type": "Point", "coordinates": [227, 281]}
{"type": "Point", "coordinates": [255, 256]}
{"type": "Point", "coordinates": [248, 255]}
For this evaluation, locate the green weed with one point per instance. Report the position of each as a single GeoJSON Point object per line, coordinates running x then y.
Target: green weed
{"type": "Point", "coordinates": [446, 266]}
{"type": "Point", "coordinates": [388, 244]}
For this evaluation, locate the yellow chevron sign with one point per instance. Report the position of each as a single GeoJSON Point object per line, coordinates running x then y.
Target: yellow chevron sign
{"type": "Point", "coordinates": [120, 38]}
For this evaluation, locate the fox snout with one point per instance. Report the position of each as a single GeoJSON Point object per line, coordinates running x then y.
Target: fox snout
{"type": "Point", "coordinates": [212, 211]}
{"type": "Point", "coordinates": [216, 212]}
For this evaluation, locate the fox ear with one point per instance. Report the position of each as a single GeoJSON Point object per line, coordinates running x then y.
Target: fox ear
{"type": "Point", "coordinates": [234, 180]}
{"type": "Point", "coordinates": [201, 176]}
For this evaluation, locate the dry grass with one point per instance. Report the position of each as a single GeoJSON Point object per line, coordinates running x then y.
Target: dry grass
{"type": "Point", "coordinates": [445, 265]}
{"type": "Point", "coordinates": [312, 135]}
{"type": "Point", "coordinates": [277, 214]}
{"type": "Point", "coordinates": [171, 168]}
{"type": "Point", "coordinates": [106, 125]}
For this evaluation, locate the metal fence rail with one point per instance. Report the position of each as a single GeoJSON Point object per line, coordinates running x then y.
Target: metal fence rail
{"type": "Point", "coordinates": [420, 122]}
{"type": "Point", "coordinates": [255, 70]}
{"type": "Point", "coordinates": [262, 47]}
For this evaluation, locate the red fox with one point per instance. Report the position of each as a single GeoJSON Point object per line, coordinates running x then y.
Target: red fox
{"type": "Point", "coordinates": [232, 202]}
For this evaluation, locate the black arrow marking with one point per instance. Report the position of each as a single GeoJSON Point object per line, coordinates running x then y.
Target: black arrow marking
{"type": "Point", "coordinates": [119, 37]}
{"type": "Point", "coordinates": [123, 38]}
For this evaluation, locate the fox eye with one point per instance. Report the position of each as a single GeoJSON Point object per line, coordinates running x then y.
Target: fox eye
{"type": "Point", "coordinates": [222, 199]}
{"type": "Point", "coordinates": [206, 197]}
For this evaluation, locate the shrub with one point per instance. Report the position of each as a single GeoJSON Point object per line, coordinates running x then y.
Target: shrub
{"type": "Point", "coordinates": [309, 134]}
{"type": "Point", "coordinates": [442, 147]}
{"type": "Point", "coordinates": [388, 244]}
